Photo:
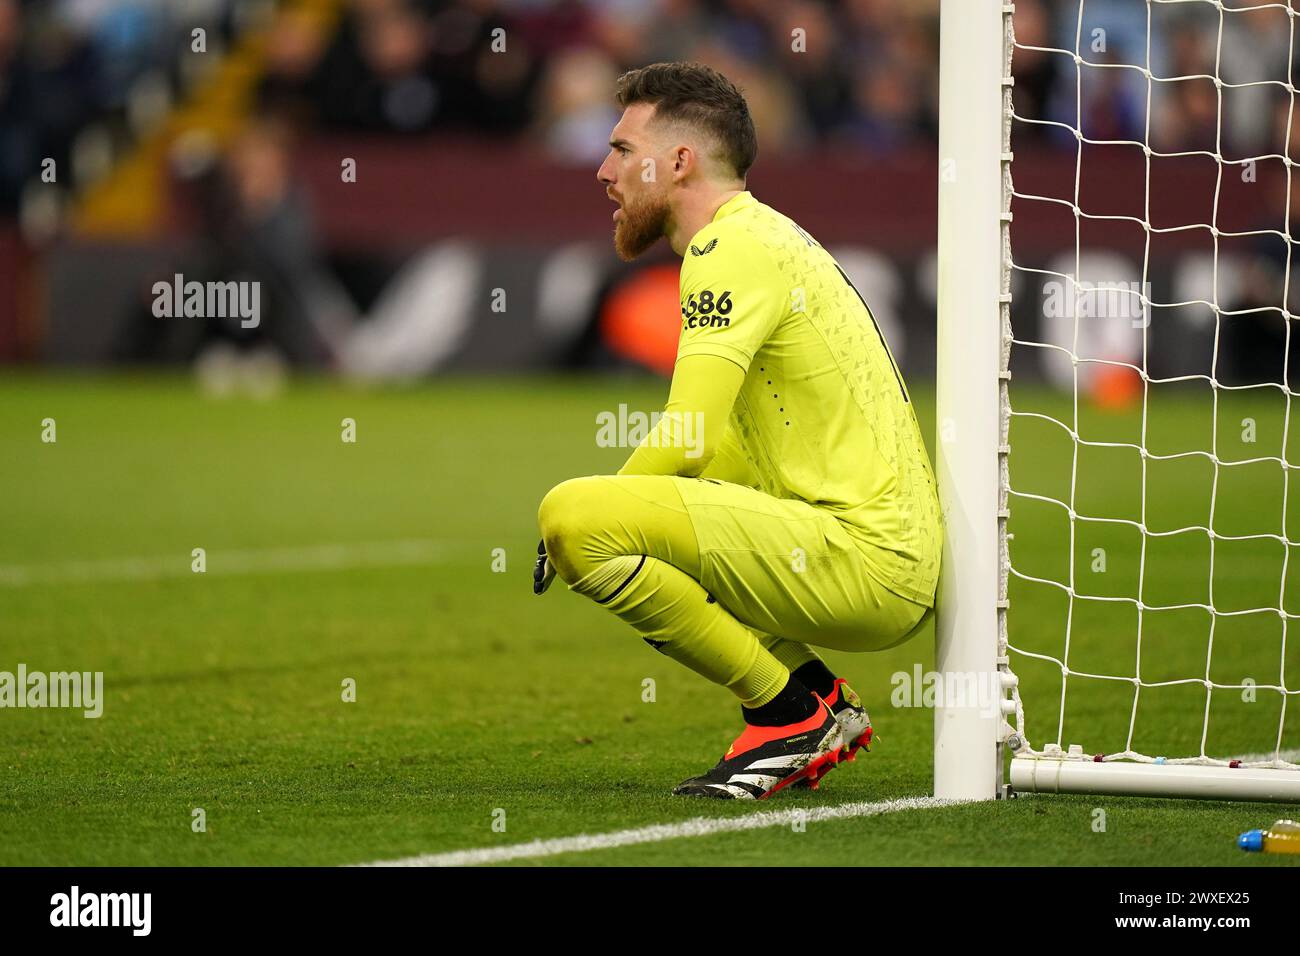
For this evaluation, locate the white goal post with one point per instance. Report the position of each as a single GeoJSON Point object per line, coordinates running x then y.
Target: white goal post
{"type": "Point", "coordinates": [982, 751]}
{"type": "Point", "coordinates": [967, 741]}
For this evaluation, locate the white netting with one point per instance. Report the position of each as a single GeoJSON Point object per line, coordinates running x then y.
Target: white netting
{"type": "Point", "coordinates": [1082, 364]}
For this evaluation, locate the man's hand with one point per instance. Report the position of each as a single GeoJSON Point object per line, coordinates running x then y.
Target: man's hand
{"type": "Point", "coordinates": [543, 570]}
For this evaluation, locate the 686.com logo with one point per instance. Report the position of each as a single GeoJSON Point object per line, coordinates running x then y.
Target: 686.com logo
{"type": "Point", "coordinates": [708, 310]}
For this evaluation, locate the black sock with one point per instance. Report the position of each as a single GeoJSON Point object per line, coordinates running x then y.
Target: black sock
{"type": "Point", "coordinates": [793, 704]}
{"type": "Point", "coordinates": [816, 676]}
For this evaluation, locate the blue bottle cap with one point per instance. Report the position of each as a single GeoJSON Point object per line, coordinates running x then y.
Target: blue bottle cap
{"type": "Point", "coordinates": [1252, 840]}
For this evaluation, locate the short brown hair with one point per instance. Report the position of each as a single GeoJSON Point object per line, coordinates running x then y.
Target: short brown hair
{"type": "Point", "coordinates": [703, 97]}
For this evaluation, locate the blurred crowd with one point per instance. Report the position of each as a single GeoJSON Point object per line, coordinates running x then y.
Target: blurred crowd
{"type": "Point", "coordinates": [861, 73]}
{"type": "Point", "coordinates": [67, 66]}
{"type": "Point", "coordinates": [83, 81]}
{"type": "Point", "coordinates": [1167, 54]}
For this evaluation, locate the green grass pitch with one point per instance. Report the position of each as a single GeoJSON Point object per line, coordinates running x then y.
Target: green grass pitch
{"type": "Point", "coordinates": [224, 690]}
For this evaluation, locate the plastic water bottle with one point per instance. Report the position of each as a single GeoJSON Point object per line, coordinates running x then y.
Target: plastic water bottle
{"type": "Point", "coordinates": [1282, 837]}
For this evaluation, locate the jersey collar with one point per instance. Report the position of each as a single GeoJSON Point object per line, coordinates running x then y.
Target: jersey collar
{"type": "Point", "coordinates": [736, 203]}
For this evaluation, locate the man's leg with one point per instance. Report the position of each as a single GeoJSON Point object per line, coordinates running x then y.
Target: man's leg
{"type": "Point", "coordinates": [627, 543]}
{"type": "Point", "coordinates": [779, 567]}
{"type": "Point", "coordinates": [775, 566]}
{"type": "Point", "coordinates": [786, 568]}
{"type": "Point", "coordinates": [807, 666]}
{"type": "Point", "coordinates": [802, 661]}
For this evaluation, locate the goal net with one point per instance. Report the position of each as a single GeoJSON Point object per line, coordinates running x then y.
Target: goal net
{"type": "Point", "coordinates": [1115, 215]}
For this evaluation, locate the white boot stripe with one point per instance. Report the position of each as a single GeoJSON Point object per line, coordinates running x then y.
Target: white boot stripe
{"type": "Point", "coordinates": [762, 780]}
{"type": "Point", "coordinates": [783, 761]}
{"type": "Point", "coordinates": [738, 792]}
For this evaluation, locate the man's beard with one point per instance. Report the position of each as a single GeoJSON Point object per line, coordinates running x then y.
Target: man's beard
{"type": "Point", "coordinates": [643, 224]}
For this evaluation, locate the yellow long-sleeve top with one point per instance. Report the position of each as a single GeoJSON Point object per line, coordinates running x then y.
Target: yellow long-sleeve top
{"type": "Point", "coordinates": [786, 385]}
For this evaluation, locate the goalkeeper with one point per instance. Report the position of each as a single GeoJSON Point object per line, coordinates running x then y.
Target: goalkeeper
{"type": "Point", "coordinates": [786, 500]}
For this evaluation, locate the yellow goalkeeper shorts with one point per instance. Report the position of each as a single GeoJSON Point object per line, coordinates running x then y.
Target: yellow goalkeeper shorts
{"type": "Point", "coordinates": [781, 566]}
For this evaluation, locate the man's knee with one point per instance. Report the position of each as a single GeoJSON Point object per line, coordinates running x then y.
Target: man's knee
{"type": "Point", "coordinates": [565, 520]}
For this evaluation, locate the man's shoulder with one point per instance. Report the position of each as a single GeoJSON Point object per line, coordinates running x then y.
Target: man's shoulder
{"type": "Point", "coordinates": [726, 235]}
{"type": "Point", "coordinates": [739, 240]}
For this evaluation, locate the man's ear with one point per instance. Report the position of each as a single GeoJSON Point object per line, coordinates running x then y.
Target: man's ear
{"type": "Point", "coordinates": [684, 159]}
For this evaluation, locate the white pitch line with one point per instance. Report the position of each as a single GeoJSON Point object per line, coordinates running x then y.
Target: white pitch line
{"type": "Point", "coordinates": [322, 557]}
{"type": "Point", "coordinates": [697, 827]}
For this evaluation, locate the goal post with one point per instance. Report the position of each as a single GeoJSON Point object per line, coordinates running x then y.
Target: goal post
{"type": "Point", "coordinates": [980, 641]}
{"type": "Point", "coordinates": [970, 298]}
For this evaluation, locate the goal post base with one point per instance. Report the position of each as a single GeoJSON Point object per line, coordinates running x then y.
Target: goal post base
{"type": "Point", "coordinates": [1115, 778]}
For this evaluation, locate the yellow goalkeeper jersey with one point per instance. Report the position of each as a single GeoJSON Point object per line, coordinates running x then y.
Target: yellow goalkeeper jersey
{"type": "Point", "coordinates": [823, 415]}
